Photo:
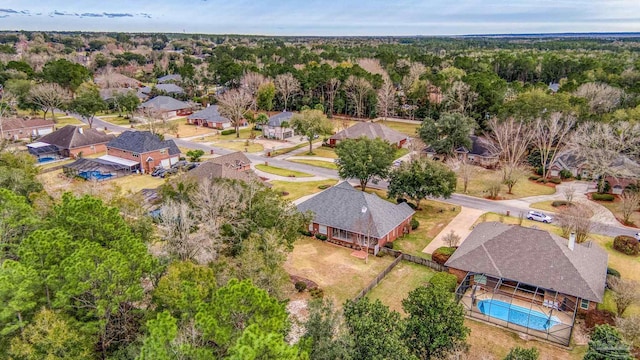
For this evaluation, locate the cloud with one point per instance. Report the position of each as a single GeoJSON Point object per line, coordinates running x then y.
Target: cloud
{"type": "Point", "coordinates": [4, 16]}
{"type": "Point", "coordinates": [117, 15]}
{"type": "Point", "coordinates": [91, 15]}
{"type": "Point", "coordinates": [10, 11]}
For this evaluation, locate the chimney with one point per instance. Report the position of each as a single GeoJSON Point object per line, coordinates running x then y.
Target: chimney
{"type": "Point", "coordinates": [572, 241]}
{"type": "Point", "coordinates": [81, 130]}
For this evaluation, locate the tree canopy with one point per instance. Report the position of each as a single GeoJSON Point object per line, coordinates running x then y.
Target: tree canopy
{"type": "Point", "coordinates": [364, 159]}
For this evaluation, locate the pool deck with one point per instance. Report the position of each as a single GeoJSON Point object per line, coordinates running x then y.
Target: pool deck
{"type": "Point", "coordinates": [560, 333]}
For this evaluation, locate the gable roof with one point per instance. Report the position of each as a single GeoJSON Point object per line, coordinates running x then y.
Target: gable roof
{"type": "Point", "coordinates": [115, 80]}
{"type": "Point", "coordinates": [71, 137]}
{"type": "Point", "coordinates": [142, 142]}
{"type": "Point", "coordinates": [479, 147]}
{"type": "Point", "coordinates": [371, 131]}
{"type": "Point", "coordinates": [341, 207]}
{"type": "Point", "coordinates": [168, 88]}
{"type": "Point", "coordinates": [170, 77]}
{"type": "Point", "coordinates": [209, 113]}
{"type": "Point", "coordinates": [277, 119]}
{"type": "Point", "coordinates": [18, 123]}
{"type": "Point", "coordinates": [535, 257]}
{"type": "Point", "coordinates": [111, 93]}
{"type": "Point", "coordinates": [165, 103]}
{"type": "Point", "coordinates": [226, 166]}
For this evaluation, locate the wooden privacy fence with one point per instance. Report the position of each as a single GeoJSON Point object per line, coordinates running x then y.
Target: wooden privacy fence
{"type": "Point", "coordinates": [399, 256]}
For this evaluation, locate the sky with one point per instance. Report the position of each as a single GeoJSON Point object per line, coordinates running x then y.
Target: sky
{"type": "Point", "coordinates": [324, 17]}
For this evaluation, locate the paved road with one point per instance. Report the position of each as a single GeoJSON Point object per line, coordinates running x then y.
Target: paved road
{"type": "Point", "coordinates": [457, 199]}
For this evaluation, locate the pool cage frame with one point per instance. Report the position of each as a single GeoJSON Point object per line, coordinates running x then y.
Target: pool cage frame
{"type": "Point", "coordinates": [489, 287]}
{"type": "Point", "coordinates": [90, 165]}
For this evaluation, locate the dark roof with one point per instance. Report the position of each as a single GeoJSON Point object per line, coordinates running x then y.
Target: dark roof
{"type": "Point", "coordinates": [568, 160]}
{"type": "Point", "coordinates": [210, 113]}
{"type": "Point", "coordinates": [277, 119]}
{"type": "Point", "coordinates": [341, 207]}
{"type": "Point", "coordinates": [479, 147]}
{"type": "Point", "coordinates": [227, 166]}
{"type": "Point", "coordinates": [371, 131]}
{"type": "Point", "coordinates": [88, 164]}
{"type": "Point", "coordinates": [171, 77]}
{"type": "Point", "coordinates": [17, 123]}
{"type": "Point", "coordinates": [72, 137]}
{"type": "Point", "coordinates": [535, 257]}
{"type": "Point", "coordinates": [142, 142]}
{"type": "Point", "coordinates": [168, 88]}
{"type": "Point", "coordinates": [165, 103]}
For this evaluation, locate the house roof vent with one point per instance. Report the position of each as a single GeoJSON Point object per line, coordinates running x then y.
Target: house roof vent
{"type": "Point", "coordinates": [80, 130]}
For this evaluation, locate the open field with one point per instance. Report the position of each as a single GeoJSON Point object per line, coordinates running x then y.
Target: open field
{"type": "Point", "coordinates": [405, 128]}
{"type": "Point", "coordinates": [280, 171]}
{"type": "Point", "coordinates": [297, 190]}
{"type": "Point", "coordinates": [396, 286]}
{"type": "Point", "coordinates": [318, 163]}
{"type": "Point", "coordinates": [332, 267]}
{"type": "Point", "coordinates": [524, 188]}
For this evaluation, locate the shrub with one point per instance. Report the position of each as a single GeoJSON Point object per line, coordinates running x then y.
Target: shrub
{"type": "Point", "coordinates": [300, 286]}
{"type": "Point", "coordinates": [389, 245]}
{"type": "Point", "coordinates": [306, 232]}
{"type": "Point", "coordinates": [613, 272]}
{"type": "Point", "coordinates": [626, 245]}
{"type": "Point", "coordinates": [442, 254]}
{"type": "Point", "coordinates": [284, 193]}
{"type": "Point", "coordinates": [412, 205]}
{"type": "Point", "coordinates": [316, 293]}
{"type": "Point", "coordinates": [599, 317]}
{"type": "Point", "coordinates": [444, 280]}
{"type": "Point", "coordinates": [321, 237]}
{"type": "Point", "coordinates": [400, 200]}
{"type": "Point", "coordinates": [559, 203]}
{"type": "Point", "coordinates": [534, 177]}
{"type": "Point", "coordinates": [555, 180]}
{"type": "Point", "coordinates": [565, 174]}
{"type": "Point", "coordinates": [518, 353]}
{"type": "Point", "coordinates": [227, 132]}
{"type": "Point", "coordinates": [414, 224]}
{"type": "Point", "coordinates": [323, 187]}
{"type": "Point", "coordinates": [602, 197]}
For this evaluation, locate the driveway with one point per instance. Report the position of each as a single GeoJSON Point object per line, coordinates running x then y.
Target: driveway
{"type": "Point", "coordinates": [461, 225]}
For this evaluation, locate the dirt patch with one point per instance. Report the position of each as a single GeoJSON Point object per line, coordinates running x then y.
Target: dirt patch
{"type": "Point", "coordinates": [580, 332]}
{"type": "Point", "coordinates": [298, 313]}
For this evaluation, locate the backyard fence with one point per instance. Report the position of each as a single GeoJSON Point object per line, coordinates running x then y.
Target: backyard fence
{"type": "Point", "coordinates": [53, 168]}
{"type": "Point", "coordinates": [399, 256]}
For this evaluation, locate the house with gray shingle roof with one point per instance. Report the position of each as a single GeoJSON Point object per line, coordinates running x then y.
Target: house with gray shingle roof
{"type": "Point", "coordinates": [347, 216]}
{"type": "Point", "coordinates": [144, 148]}
{"type": "Point", "coordinates": [372, 131]}
{"type": "Point", "coordinates": [170, 78]}
{"type": "Point", "coordinates": [166, 88]}
{"type": "Point", "coordinates": [540, 279]}
{"type": "Point", "coordinates": [209, 117]}
{"type": "Point", "coordinates": [72, 141]}
{"type": "Point", "coordinates": [167, 107]}
{"type": "Point", "coordinates": [278, 126]}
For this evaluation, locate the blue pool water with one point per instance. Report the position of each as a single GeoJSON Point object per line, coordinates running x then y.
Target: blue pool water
{"type": "Point", "coordinates": [87, 175]}
{"type": "Point", "coordinates": [45, 159]}
{"type": "Point", "coordinates": [516, 314]}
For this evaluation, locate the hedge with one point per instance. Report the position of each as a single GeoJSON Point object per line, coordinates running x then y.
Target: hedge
{"type": "Point", "coordinates": [626, 245]}
{"type": "Point", "coordinates": [227, 132]}
{"type": "Point", "coordinates": [534, 177]}
{"type": "Point", "coordinates": [559, 203]}
{"type": "Point", "coordinates": [442, 254]}
{"type": "Point", "coordinates": [321, 237]}
{"type": "Point", "coordinates": [555, 180]}
{"type": "Point", "coordinates": [444, 280]}
{"type": "Point", "coordinates": [306, 232]}
{"type": "Point", "coordinates": [414, 224]}
{"type": "Point", "coordinates": [613, 272]}
{"type": "Point", "coordinates": [602, 197]}
{"type": "Point", "coordinates": [300, 286]}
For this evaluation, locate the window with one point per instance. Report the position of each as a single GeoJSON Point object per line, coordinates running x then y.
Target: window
{"type": "Point", "coordinates": [584, 304]}
{"type": "Point", "coordinates": [322, 229]}
{"type": "Point", "coordinates": [163, 151]}
{"type": "Point", "coordinates": [135, 154]}
{"type": "Point", "coordinates": [480, 279]}
{"type": "Point", "coordinates": [310, 227]}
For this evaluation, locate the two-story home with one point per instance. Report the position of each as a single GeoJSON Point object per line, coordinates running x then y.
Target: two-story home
{"type": "Point", "coordinates": [278, 126]}
{"type": "Point", "coordinates": [144, 148]}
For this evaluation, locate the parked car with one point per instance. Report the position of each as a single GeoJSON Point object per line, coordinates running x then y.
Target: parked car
{"type": "Point", "coordinates": [190, 166]}
{"type": "Point", "coordinates": [169, 172]}
{"type": "Point", "coordinates": [637, 236]}
{"type": "Point", "coordinates": [538, 216]}
{"type": "Point", "coordinates": [158, 172]}
{"type": "Point", "coordinates": [179, 164]}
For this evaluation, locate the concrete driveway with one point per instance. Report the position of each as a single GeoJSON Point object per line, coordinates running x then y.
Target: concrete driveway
{"type": "Point", "coordinates": [461, 225]}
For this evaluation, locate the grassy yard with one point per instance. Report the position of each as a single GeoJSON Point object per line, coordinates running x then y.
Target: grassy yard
{"type": "Point", "coordinates": [280, 171]}
{"type": "Point", "coordinates": [297, 190]}
{"type": "Point", "coordinates": [289, 149]}
{"type": "Point", "coordinates": [135, 183]}
{"type": "Point", "coordinates": [323, 151]}
{"type": "Point", "coordinates": [241, 146]}
{"type": "Point", "coordinates": [116, 120]}
{"type": "Point", "coordinates": [433, 217]}
{"type": "Point", "coordinates": [409, 129]}
{"type": "Point", "coordinates": [213, 135]}
{"type": "Point", "coordinates": [318, 163]}
{"type": "Point", "coordinates": [523, 188]}
{"type": "Point", "coordinates": [67, 120]}
{"type": "Point", "coordinates": [616, 208]}
{"type": "Point", "coordinates": [400, 153]}
{"type": "Point", "coordinates": [395, 287]}
{"type": "Point", "coordinates": [544, 205]}
{"type": "Point", "coordinates": [332, 267]}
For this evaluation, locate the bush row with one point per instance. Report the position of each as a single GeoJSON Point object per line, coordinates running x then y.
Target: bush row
{"type": "Point", "coordinates": [602, 197]}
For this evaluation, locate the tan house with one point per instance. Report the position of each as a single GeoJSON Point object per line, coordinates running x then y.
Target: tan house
{"type": "Point", "coordinates": [74, 141]}
{"type": "Point", "coordinates": [372, 131]}
{"type": "Point", "coordinates": [25, 129]}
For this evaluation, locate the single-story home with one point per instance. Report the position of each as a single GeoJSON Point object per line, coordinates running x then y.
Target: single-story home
{"type": "Point", "coordinates": [116, 80]}
{"type": "Point", "coordinates": [170, 78]}
{"type": "Point", "coordinates": [168, 88]}
{"type": "Point", "coordinates": [25, 129]}
{"type": "Point", "coordinates": [145, 149]}
{"type": "Point", "coordinates": [167, 106]}
{"type": "Point", "coordinates": [568, 161]}
{"type": "Point", "coordinates": [479, 153]}
{"type": "Point", "coordinates": [528, 279]}
{"type": "Point", "coordinates": [627, 173]}
{"type": "Point", "coordinates": [372, 131]}
{"type": "Point", "coordinates": [235, 165]}
{"type": "Point", "coordinates": [278, 126]}
{"type": "Point", "coordinates": [352, 218]}
{"type": "Point", "coordinates": [73, 141]}
{"type": "Point", "coordinates": [209, 117]}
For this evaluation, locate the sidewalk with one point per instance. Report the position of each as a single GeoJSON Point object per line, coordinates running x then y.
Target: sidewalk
{"type": "Point", "coordinates": [270, 176]}
{"type": "Point", "coordinates": [461, 225]}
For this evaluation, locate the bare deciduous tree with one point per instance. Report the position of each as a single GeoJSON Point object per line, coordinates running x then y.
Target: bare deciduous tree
{"type": "Point", "coordinates": [286, 85]}
{"type": "Point", "coordinates": [602, 97]}
{"type": "Point", "coordinates": [460, 98]}
{"type": "Point", "coordinates": [178, 229]}
{"type": "Point", "coordinates": [233, 104]}
{"type": "Point", "coordinates": [509, 140]}
{"type": "Point", "coordinates": [576, 219]}
{"type": "Point", "coordinates": [451, 239]}
{"type": "Point", "coordinates": [625, 293]}
{"type": "Point", "coordinates": [551, 136]}
{"type": "Point", "coordinates": [493, 188]}
{"type": "Point", "coordinates": [251, 82]}
{"type": "Point", "coordinates": [629, 328]}
{"type": "Point", "coordinates": [513, 174]}
{"type": "Point", "coordinates": [331, 88]}
{"type": "Point", "coordinates": [8, 103]}
{"type": "Point", "coordinates": [629, 202]}
{"type": "Point", "coordinates": [357, 90]}
{"type": "Point", "coordinates": [465, 171]}
{"type": "Point", "coordinates": [386, 99]}
{"type": "Point", "coordinates": [415, 71]}
{"type": "Point", "coordinates": [153, 121]}
{"type": "Point", "coordinates": [568, 193]}
{"type": "Point", "coordinates": [49, 97]}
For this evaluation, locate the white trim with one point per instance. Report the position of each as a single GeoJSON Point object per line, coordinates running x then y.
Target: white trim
{"type": "Point", "coordinates": [117, 160]}
{"type": "Point", "coordinates": [37, 144]}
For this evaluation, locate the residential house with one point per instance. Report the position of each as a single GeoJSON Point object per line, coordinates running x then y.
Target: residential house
{"type": "Point", "coordinates": [111, 93]}
{"type": "Point", "coordinates": [528, 279]}
{"type": "Point", "coordinates": [167, 107]}
{"type": "Point", "coordinates": [169, 88]}
{"type": "Point", "coordinates": [479, 154]}
{"type": "Point", "coordinates": [75, 141]}
{"type": "Point", "coordinates": [627, 173]}
{"type": "Point", "coordinates": [25, 129]}
{"type": "Point", "coordinates": [116, 81]}
{"type": "Point", "coordinates": [209, 117]}
{"type": "Point", "coordinates": [372, 131]}
{"type": "Point", "coordinates": [235, 166]}
{"type": "Point", "coordinates": [569, 161]}
{"type": "Point", "coordinates": [352, 218]}
{"type": "Point", "coordinates": [170, 78]}
{"type": "Point", "coordinates": [145, 149]}
{"type": "Point", "coordinates": [278, 126]}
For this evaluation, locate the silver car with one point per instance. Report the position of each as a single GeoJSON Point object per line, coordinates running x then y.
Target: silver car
{"type": "Point", "coordinates": [538, 216]}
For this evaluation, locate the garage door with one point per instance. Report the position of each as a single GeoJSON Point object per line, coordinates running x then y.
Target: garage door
{"type": "Point", "coordinates": [165, 163]}
{"type": "Point", "coordinates": [45, 131]}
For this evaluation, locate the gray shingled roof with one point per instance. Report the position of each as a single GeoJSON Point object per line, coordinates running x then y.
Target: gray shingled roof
{"type": "Point", "coordinates": [168, 88]}
{"type": "Point", "coordinates": [165, 103]}
{"type": "Point", "coordinates": [479, 146]}
{"type": "Point", "coordinates": [371, 131]}
{"type": "Point", "coordinates": [71, 137]}
{"type": "Point", "coordinates": [341, 206]}
{"type": "Point", "coordinates": [277, 119]}
{"type": "Point", "coordinates": [171, 77]}
{"type": "Point", "coordinates": [142, 142]}
{"type": "Point", "coordinates": [210, 113]}
{"type": "Point", "coordinates": [535, 257]}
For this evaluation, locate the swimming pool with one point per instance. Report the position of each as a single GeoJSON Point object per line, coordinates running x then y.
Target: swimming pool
{"type": "Point", "coordinates": [518, 315]}
{"type": "Point", "coordinates": [46, 159]}
{"type": "Point", "coordinates": [88, 175]}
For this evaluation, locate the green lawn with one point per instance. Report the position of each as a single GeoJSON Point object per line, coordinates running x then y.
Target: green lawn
{"type": "Point", "coordinates": [400, 153]}
{"type": "Point", "coordinates": [395, 287]}
{"type": "Point", "coordinates": [67, 120]}
{"type": "Point", "coordinates": [241, 146]}
{"type": "Point", "coordinates": [409, 129]}
{"type": "Point", "coordinates": [116, 120]}
{"type": "Point", "coordinates": [318, 163]}
{"type": "Point", "coordinates": [544, 205]}
{"type": "Point", "coordinates": [323, 151]}
{"type": "Point", "coordinates": [297, 190]}
{"type": "Point", "coordinates": [280, 171]}
{"type": "Point", "coordinates": [523, 188]}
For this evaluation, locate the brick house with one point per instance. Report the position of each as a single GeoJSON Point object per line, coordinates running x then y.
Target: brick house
{"type": "Point", "coordinates": [348, 217]}
{"type": "Point", "coordinates": [167, 107]}
{"type": "Point", "coordinates": [210, 117]}
{"type": "Point", "coordinates": [72, 141]}
{"type": "Point", "coordinates": [25, 129]}
{"type": "Point", "coordinates": [372, 131]}
{"type": "Point", "coordinates": [144, 148]}
{"type": "Point", "coordinates": [510, 268]}
{"type": "Point", "coordinates": [277, 127]}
